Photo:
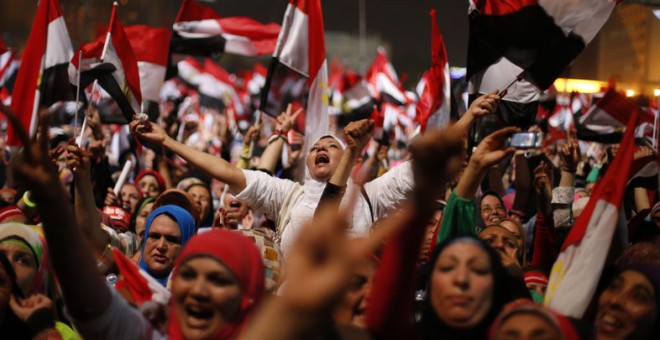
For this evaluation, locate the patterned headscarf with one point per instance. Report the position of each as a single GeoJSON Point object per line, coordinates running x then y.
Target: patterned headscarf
{"type": "Point", "coordinates": [27, 237]}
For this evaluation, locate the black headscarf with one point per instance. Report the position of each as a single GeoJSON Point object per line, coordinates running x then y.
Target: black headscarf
{"type": "Point", "coordinates": [432, 327]}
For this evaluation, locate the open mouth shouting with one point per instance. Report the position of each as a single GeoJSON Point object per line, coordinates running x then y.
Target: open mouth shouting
{"type": "Point", "coordinates": [322, 159]}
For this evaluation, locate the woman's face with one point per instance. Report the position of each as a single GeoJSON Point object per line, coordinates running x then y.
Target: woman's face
{"type": "Point", "coordinates": [162, 246]}
{"type": "Point", "coordinates": [206, 295]}
{"type": "Point", "coordinates": [23, 262]}
{"type": "Point", "coordinates": [202, 198]}
{"type": "Point", "coordinates": [527, 326]}
{"type": "Point", "coordinates": [323, 158]}
{"type": "Point", "coordinates": [462, 285]}
{"type": "Point", "coordinates": [149, 186]}
{"type": "Point", "coordinates": [141, 220]}
{"type": "Point", "coordinates": [503, 242]}
{"type": "Point", "coordinates": [627, 308]}
{"type": "Point", "coordinates": [129, 195]}
{"type": "Point", "coordinates": [492, 211]}
{"type": "Point", "coordinates": [513, 228]}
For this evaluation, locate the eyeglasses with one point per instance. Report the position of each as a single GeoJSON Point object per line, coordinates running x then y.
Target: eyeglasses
{"type": "Point", "coordinates": [488, 209]}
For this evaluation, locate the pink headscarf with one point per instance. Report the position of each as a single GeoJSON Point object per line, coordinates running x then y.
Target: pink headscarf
{"type": "Point", "coordinates": [238, 254]}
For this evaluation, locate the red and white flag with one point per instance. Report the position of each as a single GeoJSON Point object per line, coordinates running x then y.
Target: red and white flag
{"type": "Point", "coordinates": [578, 267]}
{"type": "Point", "coordinates": [383, 81]}
{"type": "Point", "coordinates": [9, 63]}
{"type": "Point", "coordinates": [141, 286]}
{"type": "Point", "coordinates": [150, 46]}
{"type": "Point", "coordinates": [199, 30]}
{"type": "Point", "coordinates": [299, 67]}
{"type": "Point", "coordinates": [531, 39]}
{"type": "Point", "coordinates": [42, 76]}
{"type": "Point", "coordinates": [611, 114]}
{"type": "Point", "coordinates": [118, 52]}
{"type": "Point", "coordinates": [217, 88]}
{"type": "Point", "coordinates": [433, 105]}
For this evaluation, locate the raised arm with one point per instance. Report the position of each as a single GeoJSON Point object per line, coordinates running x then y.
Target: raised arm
{"type": "Point", "coordinates": [459, 214]}
{"type": "Point", "coordinates": [86, 214]}
{"type": "Point", "coordinates": [216, 167]}
{"type": "Point", "coordinates": [357, 136]}
{"type": "Point", "coordinates": [85, 293]}
{"type": "Point", "coordinates": [273, 152]}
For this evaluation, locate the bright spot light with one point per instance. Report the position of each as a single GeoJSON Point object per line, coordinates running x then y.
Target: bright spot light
{"type": "Point", "coordinates": [630, 93]}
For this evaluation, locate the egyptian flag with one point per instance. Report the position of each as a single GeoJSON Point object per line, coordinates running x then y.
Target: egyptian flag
{"type": "Point", "coordinates": [43, 68]}
{"type": "Point", "coordinates": [530, 40]}
{"type": "Point", "coordinates": [433, 104]}
{"type": "Point", "coordinates": [298, 72]}
{"type": "Point", "coordinates": [190, 71]}
{"type": "Point", "coordinates": [136, 285]}
{"type": "Point", "coordinates": [151, 47]}
{"type": "Point", "coordinates": [217, 88]}
{"type": "Point", "coordinates": [383, 81]}
{"type": "Point", "coordinates": [199, 30]}
{"type": "Point", "coordinates": [604, 122]}
{"type": "Point", "coordinates": [124, 85]}
{"type": "Point", "coordinates": [87, 61]}
{"type": "Point", "coordinates": [9, 63]}
{"type": "Point", "coordinates": [644, 172]}
{"type": "Point", "coordinates": [356, 99]}
{"type": "Point", "coordinates": [578, 267]}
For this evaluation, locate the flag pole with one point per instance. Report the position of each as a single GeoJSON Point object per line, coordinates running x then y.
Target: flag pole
{"type": "Point", "coordinates": [363, 35]}
{"type": "Point", "coordinates": [75, 117]}
{"type": "Point", "coordinates": [502, 92]}
{"type": "Point", "coordinates": [257, 120]}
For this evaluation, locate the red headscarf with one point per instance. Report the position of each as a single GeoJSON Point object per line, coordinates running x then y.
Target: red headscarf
{"type": "Point", "coordinates": [238, 254]}
{"type": "Point", "coordinates": [562, 323]}
{"type": "Point", "coordinates": [156, 174]}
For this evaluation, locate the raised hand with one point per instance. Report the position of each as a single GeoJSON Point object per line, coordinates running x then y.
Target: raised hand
{"type": "Point", "coordinates": [320, 264]}
{"type": "Point", "coordinates": [34, 166]}
{"type": "Point", "coordinates": [111, 199]}
{"type": "Point", "coordinates": [77, 160]}
{"type": "Point", "coordinates": [24, 308]}
{"type": "Point", "coordinates": [252, 134]}
{"type": "Point", "coordinates": [492, 149]}
{"type": "Point", "coordinates": [437, 155]}
{"type": "Point", "coordinates": [357, 134]}
{"type": "Point", "coordinates": [484, 105]}
{"type": "Point", "coordinates": [569, 153]}
{"type": "Point", "coordinates": [286, 119]}
{"type": "Point", "coordinates": [149, 131]}
{"type": "Point", "coordinates": [543, 179]}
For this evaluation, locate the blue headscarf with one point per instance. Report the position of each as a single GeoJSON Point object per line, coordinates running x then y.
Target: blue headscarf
{"type": "Point", "coordinates": [186, 225]}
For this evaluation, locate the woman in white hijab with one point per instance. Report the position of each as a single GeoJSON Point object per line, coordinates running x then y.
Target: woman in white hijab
{"type": "Point", "coordinates": [288, 203]}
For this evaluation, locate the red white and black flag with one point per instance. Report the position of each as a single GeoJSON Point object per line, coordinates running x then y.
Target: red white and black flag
{"type": "Point", "coordinates": [531, 39]}
{"type": "Point", "coordinates": [150, 46]}
{"type": "Point", "coordinates": [124, 83]}
{"type": "Point", "coordinates": [298, 73]}
{"type": "Point", "coordinates": [432, 109]}
{"type": "Point", "coordinates": [42, 76]}
{"type": "Point", "coordinates": [9, 63]}
{"type": "Point", "coordinates": [199, 30]}
{"type": "Point", "coordinates": [605, 121]}
{"type": "Point", "coordinates": [383, 81]}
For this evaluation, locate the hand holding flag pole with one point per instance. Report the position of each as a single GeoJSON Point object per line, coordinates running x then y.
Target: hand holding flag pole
{"type": "Point", "coordinates": [503, 92]}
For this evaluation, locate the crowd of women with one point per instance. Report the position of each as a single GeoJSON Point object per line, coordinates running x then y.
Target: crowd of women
{"type": "Point", "coordinates": [349, 237]}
